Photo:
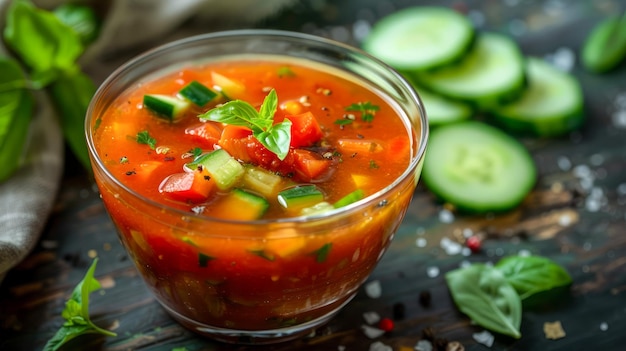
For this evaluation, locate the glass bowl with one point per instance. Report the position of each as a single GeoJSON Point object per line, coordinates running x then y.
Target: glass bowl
{"type": "Point", "coordinates": [237, 299]}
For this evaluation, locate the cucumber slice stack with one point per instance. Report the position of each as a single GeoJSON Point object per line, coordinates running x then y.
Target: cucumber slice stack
{"type": "Point", "coordinates": [461, 73]}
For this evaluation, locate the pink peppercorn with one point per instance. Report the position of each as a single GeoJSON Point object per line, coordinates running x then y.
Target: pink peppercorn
{"type": "Point", "coordinates": [386, 324]}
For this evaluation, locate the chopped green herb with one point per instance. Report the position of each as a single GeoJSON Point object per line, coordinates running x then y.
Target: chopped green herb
{"type": "Point", "coordinates": [367, 110]}
{"type": "Point", "coordinates": [188, 240]}
{"type": "Point", "coordinates": [76, 313]}
{"type": "Point", "coordinates": [123, 160]}
{"type": "Point", "coordinates": [144, 137]}
{"type": "Point", "coordinates": [275, 137]}
{"type": "Point", "coordinates": [343, 121]}
{"type": "Point", "coordinates": [196, 151]}
{"type": "Point", "coordinates": [203, 259]}
{"type": "Point", "coordinates": [373, 164]}
{"type": "Point", "coordinates": [285, 72]}
{"type": "Point", "coordinates": [321, 254]}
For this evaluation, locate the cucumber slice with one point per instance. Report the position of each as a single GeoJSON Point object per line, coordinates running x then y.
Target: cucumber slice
{"type": "Point", "coordinates": [491, 72]}
{"type": "Point", "coordinates": [440, 109]}
{"type": "Point", "coordinates": [551, 105]}
{"type": "Point", "coordinates": [352, 197]}
{"type": "Point", "coordinates": [300, 196]}
{"type": "Point", "coordinates": [605, 47]}
{"type": "Point", "coordinates": [197, 93]}
{"type": "Point", "coordinates": [420, 38]}
{"type": "Point", "coordinates": [168, 107]}
{"type": "Point", "coordinates": [478, 168]}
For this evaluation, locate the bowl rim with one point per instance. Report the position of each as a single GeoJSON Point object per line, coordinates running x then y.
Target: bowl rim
{"type": "Point", "coordinates": [416, 161]}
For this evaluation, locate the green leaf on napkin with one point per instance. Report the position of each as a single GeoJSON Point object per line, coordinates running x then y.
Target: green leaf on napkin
{"type": "Point", "coordinates": [47, 44]}
{"type": "Point", "coordinates": [16, 105]}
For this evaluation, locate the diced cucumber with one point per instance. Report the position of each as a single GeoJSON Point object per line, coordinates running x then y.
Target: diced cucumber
{"type": "Point", "coordinates": [491, 72]}
{"type": "Point", "coordinates": [300, 196]}
{"type": "Point", "coordinates": [165, 106]}
{"type": "Point", "coordinates": [231, 89]}
{"type": "Point", "coordinates": [552, 103]}
{"type": "Point", "coordinates": [477, 167]}
{"type": "Point", "coordinates": [354, 196]}
{"type": "Point", "coordinates": [605, 47]}
{"type": "Point", "coordinates": [320, 207]}
{"type": "Point", "coordinates": [197, 93]}
{"type": "Point", "coordinates": [225, 170]}
{"type": "Point", "coordinates": [241, 205]}
{"type": "Point", "coordinates": [419, 38]}
{"type": "Point", "coordinates": [442, 110]}
{"type": "Point", "coordinates": [261, 181]}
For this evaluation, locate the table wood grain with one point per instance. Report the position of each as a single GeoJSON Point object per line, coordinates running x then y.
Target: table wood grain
{"type": "Point", "coordinates": [576, 215]}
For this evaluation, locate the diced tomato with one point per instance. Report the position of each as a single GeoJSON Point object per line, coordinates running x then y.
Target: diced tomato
{"type": "Point", "coordinates": [207, 134]}
{"type": "Point", "coordinates": [397, 148]}
{"type": "Point", "coordinates": [235, 140]}
{"type": "Point", "coordinates": [189, 186]}
{"type": "Point", "coordinates": [305, 130]}
{"type": "Point", "coordinates": [309, 165]}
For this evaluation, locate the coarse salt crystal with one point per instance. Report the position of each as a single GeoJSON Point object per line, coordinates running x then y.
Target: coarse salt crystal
{"type": "Point", "coordinates": [424, 345]}
{"type": "Point", "coordinates": [484, 337]}
{"type": "Point", "coordinates": [445, 216]}
{"type": "Point", "coordinates": [432, 272]}
{"type": "Point", "coordinates": [373, 289]}
{"type": "Point", "coordinates": [421, 242]}
{"type": "Point", "coordinates": [565, 220]}
{"type": "Point", "coordinates": [379, 346]}
{"type": "Point", "coordinates": [341, 348]}
{"type": "Point", "coordinates": [619, 119]}
{"type": "Point", "coordinates": [372, 332]}
{"type": "Point", "coordinates": [564, 163]}
{"type": "Point", "coordinates": [450, 247]}
{"type": "Point", "coordinates": [371, 317]}
{"type": "Point", "coordinates": [604, 326]}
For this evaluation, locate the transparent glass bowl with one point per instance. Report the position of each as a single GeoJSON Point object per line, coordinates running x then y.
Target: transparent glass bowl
{"type": "Point", "coordinates": [274, 301]}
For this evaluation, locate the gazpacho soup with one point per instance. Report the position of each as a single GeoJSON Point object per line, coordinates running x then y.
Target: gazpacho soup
{"type": "Point", "coordinates": [225, 172]}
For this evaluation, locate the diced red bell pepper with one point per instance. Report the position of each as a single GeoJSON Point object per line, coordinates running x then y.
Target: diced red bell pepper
{"type": "Point", "coordinates": [192, 187]}
{"type": "Point", "coordinates": [308, 165]}
{"type": "Point", "coordinates": [206, 134]}
{"type": "Point", "coordinates": [305, 130]}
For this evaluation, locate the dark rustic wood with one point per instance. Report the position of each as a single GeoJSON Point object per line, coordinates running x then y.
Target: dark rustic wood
{"type": "Point", "coordinates": [554, 221]}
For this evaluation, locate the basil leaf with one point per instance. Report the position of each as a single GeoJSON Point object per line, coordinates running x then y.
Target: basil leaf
{"type": "Point", "coordinates": [42, 41]}
{"type": "Point", "coordinates": [76, 313]}
{"type": "Point", "coordinates": [277, 138]}
{"type": "Point", "coordinates": [268, 109]}
{"type": "Point", "coordinates": [236, 112]}
{"type": "Point", "coordinates": [82, 19]}
{"type": "Point", "coordinates": [64, 335]}
{"type": "Point", "coordinates": [482, 293]}
{"type": "Point", "coordinates": [16, 105]}
{"type": "Point", "coordinates": [530, 275]}
{"type": "Point", "coordinates": [71, 93]}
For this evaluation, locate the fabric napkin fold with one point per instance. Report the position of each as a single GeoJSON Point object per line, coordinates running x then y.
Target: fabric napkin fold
{"type": "Point", "coordinates": [27, 198]}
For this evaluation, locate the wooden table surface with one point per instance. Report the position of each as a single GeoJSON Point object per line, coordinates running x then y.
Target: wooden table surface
{"type": "Point", "coordinates": [576, 216]}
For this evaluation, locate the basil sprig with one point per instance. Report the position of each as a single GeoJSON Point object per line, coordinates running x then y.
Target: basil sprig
{"type": "Point", "coordinates": [275, 137]}
{"type": "Point", "coordinates": [492, 296]}
{"type": "Point", "coordinates": [76, 313]}
{"type": "Point", "coordinates": [46, 46]}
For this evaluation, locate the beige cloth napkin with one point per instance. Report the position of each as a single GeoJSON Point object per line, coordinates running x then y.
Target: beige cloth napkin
{"type": "Point", "coordinates": [26, 199]}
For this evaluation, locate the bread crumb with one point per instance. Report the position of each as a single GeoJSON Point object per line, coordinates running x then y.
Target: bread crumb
{"type": "Point", "coordinates": [553, 330]}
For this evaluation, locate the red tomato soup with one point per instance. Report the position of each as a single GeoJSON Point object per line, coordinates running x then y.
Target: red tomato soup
{"type": "Point", "coordinates": [346, 143]}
